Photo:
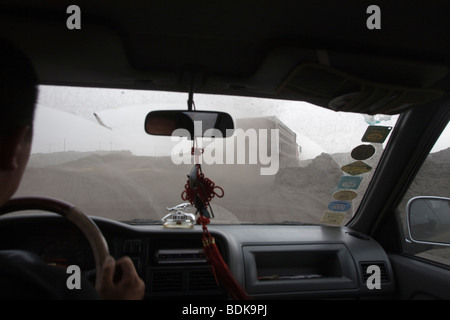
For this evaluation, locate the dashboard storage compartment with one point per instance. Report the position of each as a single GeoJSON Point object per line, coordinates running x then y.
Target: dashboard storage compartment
{"type": "Point", "coordinates": [299, 268]}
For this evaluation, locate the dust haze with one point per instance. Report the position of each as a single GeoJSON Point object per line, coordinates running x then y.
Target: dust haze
{"type": "Point", "coordinates": [123, 186]}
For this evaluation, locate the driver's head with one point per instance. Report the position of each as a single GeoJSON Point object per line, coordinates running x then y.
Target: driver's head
{"type": "Point", "coordinates": [18, 94]}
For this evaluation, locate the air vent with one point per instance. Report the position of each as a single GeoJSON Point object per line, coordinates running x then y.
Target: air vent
{"type": "Point", "coordinates": [384, 275]}
{"type": "Point", "coordinates": [183, 281]}
{"type": "Point", "coordinates": [167, 281]}
{"type": "Point", "coordinates": [202, 281]}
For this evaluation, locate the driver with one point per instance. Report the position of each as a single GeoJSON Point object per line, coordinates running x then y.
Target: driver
{"type": "Point", "coordinates": [25, 276]}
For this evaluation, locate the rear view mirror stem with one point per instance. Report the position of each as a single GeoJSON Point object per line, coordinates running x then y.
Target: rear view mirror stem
{"type": "Point", "coordinates": [190, 102]}
{"type": "Point", "coordinates": [192, 77]}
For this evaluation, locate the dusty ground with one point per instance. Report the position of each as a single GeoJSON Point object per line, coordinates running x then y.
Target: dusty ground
{"type": "Point", "coordinates": [121, 186]}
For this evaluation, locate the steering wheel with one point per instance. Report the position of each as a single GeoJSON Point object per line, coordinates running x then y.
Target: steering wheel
{"type": "Point", "coordinates": [90, 230]}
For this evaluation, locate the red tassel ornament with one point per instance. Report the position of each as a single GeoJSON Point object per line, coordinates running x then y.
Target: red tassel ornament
{"type": "Point", "coordinates": [199, 191]}
{"type": "Point", "coordinates": [219, 268]}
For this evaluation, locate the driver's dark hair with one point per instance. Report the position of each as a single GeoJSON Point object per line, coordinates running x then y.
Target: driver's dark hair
{"type": "Point", "coordinates": [18, 88]}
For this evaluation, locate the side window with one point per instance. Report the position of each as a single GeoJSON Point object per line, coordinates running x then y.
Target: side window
{"type": "Point", "coordinates": [425, 209]}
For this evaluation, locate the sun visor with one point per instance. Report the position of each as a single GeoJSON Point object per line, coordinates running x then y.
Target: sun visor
{"type": "Point", "coordinates": [340, 91]}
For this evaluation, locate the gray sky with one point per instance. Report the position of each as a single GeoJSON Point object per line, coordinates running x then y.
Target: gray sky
{"type": "Point", "coordinates": [333, 132]}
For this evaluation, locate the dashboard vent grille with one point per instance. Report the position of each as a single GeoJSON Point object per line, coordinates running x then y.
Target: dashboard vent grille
{"type": "Point", "coordinates": [178, 281]}
{"type": "Point", "coordinates": [202, 281]}
{"type": "Point", "coordinates": [167, 281]}
{"type": "Point", "coordinates": [384, 274]}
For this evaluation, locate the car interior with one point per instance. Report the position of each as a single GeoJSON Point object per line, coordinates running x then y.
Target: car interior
{"type": "Point", "coordinates": [370, 220]}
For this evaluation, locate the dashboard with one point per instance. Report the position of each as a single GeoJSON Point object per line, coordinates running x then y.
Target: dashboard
{"type": "Point", "coordinates": [270, 261]}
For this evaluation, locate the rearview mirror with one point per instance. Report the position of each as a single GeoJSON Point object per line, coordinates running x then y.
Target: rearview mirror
{"type": "Point", "coordinates": [428, 220]}
{"type": "Point", "coordinates": [189, 123]}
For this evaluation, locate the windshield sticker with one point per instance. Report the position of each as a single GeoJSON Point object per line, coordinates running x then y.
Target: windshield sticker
{"type": "Point", "coordinates": [345, 195]}
{"type": "Point", "coordinates": [348, 182]}
{"type": "Point", "coordinates": [363, 152]}
{"type": "Point", "coordinates": [339, 206]}
{"type": "Point", "coordinates": [330, 217]}
{"type": "Point", "coordinates": [357, 167]}
{"type": "Point", "coordinates": [376, 134]}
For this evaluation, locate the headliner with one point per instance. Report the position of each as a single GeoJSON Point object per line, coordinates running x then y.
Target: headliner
{"type": "Point", "coordinates": [230, 47]}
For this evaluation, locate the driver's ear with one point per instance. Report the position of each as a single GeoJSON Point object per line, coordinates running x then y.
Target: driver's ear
{"type": "Point", "coordinates": [15, 148]}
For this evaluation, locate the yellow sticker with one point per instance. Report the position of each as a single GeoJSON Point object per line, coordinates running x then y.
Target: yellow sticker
{"type": "Point", "coordinates": [357, 167]}
{"type": "Point", "coordinates": [330, 217]}
{"type": "Point", "coordinates": [345, 195]}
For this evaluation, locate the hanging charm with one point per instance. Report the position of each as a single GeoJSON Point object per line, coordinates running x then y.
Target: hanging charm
{"type": "Point", "coordinates": [199, 191]}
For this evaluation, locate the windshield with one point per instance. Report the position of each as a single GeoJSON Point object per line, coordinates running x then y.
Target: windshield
{"type": "Point", "coordinates": [288, 162]}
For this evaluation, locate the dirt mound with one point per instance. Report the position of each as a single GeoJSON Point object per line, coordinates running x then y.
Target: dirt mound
{"type": "Point", "coordinates": [320, 176]}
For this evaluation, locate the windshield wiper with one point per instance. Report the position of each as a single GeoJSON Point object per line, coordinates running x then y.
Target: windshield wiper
{"type": "Point", "coordinates": [284, 223]}
{"type": "Point", "coordinates": [140, 221]}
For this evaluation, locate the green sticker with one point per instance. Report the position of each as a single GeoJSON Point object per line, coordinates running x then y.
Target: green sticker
{"type": "Point", "coordinates": [347, 182]}
{"type": "Point", "coordinates": [357, 167]}
{"type": "Point", "coordinates": [363, 152]}
{"type": "Point", "coordinates": [376, 134]}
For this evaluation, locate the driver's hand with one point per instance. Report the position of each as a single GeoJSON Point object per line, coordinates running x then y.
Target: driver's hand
{"type": "Point", "coordinates": [120, 281]}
